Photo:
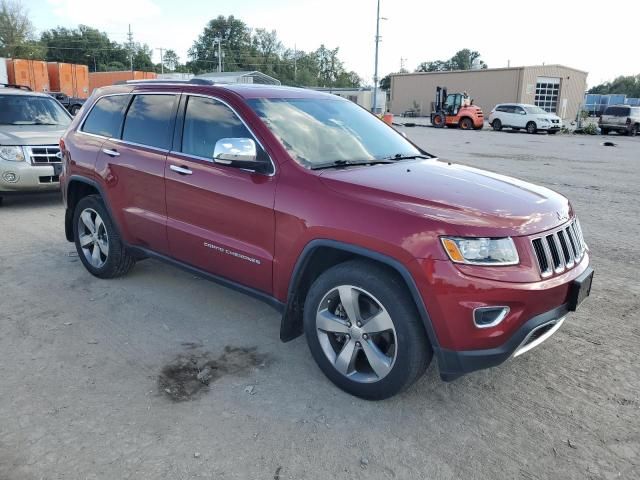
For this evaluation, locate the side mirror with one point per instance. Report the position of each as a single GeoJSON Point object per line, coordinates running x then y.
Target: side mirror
{"type": "Point", "coordinates": [237, 152]}
{"type": "Point", "coordinates": [523, 112]}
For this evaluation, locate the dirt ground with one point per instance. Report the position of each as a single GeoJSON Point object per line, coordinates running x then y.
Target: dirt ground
{"type": "Point", "coordinates": [95, 375]}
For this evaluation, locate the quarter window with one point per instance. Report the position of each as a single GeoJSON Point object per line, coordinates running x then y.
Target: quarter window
{"type": "Point", "coordinates": [105, 117]}
{"type": "Point", "coordinates": [206, 121]}
{"type": "Point", "coordinates": [149, 120]}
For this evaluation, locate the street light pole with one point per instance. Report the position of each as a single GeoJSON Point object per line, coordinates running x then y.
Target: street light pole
{"type": "Point", "coordinates": [375, 72]}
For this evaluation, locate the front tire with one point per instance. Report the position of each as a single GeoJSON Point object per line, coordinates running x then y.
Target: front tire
{"type": "Point", "coordinates": [532, 128]}
{"type": "Point", "coordinates": [97, 241]}
{"type": "Point", "coordinates": [364, 331]}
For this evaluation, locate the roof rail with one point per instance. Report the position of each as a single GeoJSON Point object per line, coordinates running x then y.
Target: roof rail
{"type": "Point", "coordinates": [19, 87]}
{"type": "Point", "coordinates": [156, 81]}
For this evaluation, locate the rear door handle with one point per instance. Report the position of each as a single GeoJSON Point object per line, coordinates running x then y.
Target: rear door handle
{"type": "Point", "coordinates": [180, 170]}
{"type": "Point", "coordinates": [111, 153]}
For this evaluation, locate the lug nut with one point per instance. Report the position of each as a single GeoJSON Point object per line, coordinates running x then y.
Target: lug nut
{"type": "Point", "coordinates": [357, 344]}
{"type": "Point", "coordinates": [348, 337]}
{"type": "Point", "coordinates": [349, 324]}
{"type": "Point", "coordinates": [365, 336]}
{"type": "Point", "coordinates": [359, 324]}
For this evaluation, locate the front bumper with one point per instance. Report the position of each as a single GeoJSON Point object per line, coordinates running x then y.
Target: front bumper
{"type": "Point", "coordinates": [19, 177]}
{"type": "Point", "coordinates": [532, 333]}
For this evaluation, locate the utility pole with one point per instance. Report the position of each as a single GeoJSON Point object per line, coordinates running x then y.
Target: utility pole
{"type": "Point", "coordinates": [130, 38]}
{"type": "Point", "coordinates": [161, 60]}
{"type": "Point", "coordinates": [375, 72]}
{"type": "Point", "coordinates": [219, 40]}
{"type": "Point", "coordinates": [402, 60]}
{"type": "Point", "coordinates": [295, 62]}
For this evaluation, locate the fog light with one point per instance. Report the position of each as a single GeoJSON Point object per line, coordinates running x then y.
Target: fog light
{"type": "Point", "coordinates": [487, 317]}
{"type": "Point", "coordinates": [10, 177]}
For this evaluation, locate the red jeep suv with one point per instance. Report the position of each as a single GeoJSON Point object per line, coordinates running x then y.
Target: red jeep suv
{"type": "Point", "coordinates": [381, 254]}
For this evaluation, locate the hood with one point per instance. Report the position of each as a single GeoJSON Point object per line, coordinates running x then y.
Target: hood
{"type": "Point", "coordinates": [31, 134]}
{"type": "Point", "coordinates": [473, 202]}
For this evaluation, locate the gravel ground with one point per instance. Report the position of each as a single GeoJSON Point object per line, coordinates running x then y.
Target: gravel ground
{"type": "Point", "coordinates": [94, 374]}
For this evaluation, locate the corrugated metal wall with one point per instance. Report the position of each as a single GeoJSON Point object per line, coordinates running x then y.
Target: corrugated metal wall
{"type": "Point", "coordinates": [487, 87]}
{"type": "Point", "coordinates": [573, 85]}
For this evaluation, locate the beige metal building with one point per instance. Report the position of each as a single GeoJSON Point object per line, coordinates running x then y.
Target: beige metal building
{"type": "Point", "coordinates": [555, 88]}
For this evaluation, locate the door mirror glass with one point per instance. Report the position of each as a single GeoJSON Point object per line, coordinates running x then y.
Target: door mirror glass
{"type": "Point", "coordinates": [238, 152]}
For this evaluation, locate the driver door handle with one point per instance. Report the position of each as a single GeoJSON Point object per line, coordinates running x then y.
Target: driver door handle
{"type": "Point", "coordinates": [111, 153]}
{"type": "Point", "coordinates": [180, 170]}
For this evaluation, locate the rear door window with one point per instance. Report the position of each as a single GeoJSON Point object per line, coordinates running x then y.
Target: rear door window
{"type": "Point", "coordinates": [149, 120]}
{"type": "Point", "coordinates": [105, 118]}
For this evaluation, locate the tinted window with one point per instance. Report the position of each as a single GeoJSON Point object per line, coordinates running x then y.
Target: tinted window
{"type": "Point", "coordinates": [149, 120]}
{"type": "Point", "coordinates": [105, 117]}
{"type": "Point", "coordinates": [618, 111]}
{"type": "Point", "coordinates": [207, 121]}
{"type": "Point", "coordinates": [518, 110]}
{"type": "Point", "coordinates": [505, 108]}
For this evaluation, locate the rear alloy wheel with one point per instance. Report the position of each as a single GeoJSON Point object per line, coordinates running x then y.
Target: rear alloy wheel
{"type": "Point", "coordinates": [497, 125]}
{"type": "Point", "coordinates": [532, 127]}
{"type": "Point", "coordinates": [364, 332]}
{"type": "Point", "coordinates": [97, 241]}
{"type": "Point", "coordinates": [466, 124]}
{"type": "Point", "coordinates": [439, 120]}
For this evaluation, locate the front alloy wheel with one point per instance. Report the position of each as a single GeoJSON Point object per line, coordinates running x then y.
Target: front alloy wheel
{"type": "Point", "coordinates": [364, 330]}
{"type": "Point", "coordinates": [356, 334]}
{"type": "Point", "coordinates": [93, 238]}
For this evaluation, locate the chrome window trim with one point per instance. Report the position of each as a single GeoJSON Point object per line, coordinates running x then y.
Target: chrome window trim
{"type": "Point", "coordinates": [134, 144]}
{"type": "Point", "coordinates": [235, 112]}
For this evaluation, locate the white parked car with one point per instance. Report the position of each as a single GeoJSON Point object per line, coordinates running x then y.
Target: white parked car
{"type": "Point", "coordinates": [522, 116]}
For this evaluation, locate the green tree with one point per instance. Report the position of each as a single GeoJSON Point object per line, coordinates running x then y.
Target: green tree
{"type": "Point", "coordinates": [171, 60]}
{"type": "Point", "coordinates": [629, 86]}
{"type": "Point", "coordinates": [464, 59]}
{"type": "Point", "coordinates": [84, 45]}
{"type": "Point", "coordinates": [17, 33]}
{"type": "Point", "coordinates": [236, 45]}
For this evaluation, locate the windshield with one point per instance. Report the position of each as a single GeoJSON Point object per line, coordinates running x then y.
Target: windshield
{"type": "Point", "coordinates": [317, 131]}
{"type": "Point", "coordinates": [31, 110]}
{"type": "Point", "coordinates": [535, 110]}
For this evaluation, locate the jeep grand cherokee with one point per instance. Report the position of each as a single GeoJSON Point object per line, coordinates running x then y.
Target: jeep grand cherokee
{"type": "Point", "coordinates": [380, 254]}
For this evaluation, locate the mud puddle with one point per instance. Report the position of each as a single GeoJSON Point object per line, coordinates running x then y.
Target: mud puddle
{"type": "Point", "coordinates": [188, 376]}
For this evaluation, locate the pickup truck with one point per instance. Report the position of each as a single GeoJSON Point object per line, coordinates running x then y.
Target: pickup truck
{"type": "Point", "coordinates": [72, 104]}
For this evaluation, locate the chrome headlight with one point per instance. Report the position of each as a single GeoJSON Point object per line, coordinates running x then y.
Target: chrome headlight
{"type": "Point", "coordinates": [481, 251]}
{"type": "Point", "coordinates": [11, 153]}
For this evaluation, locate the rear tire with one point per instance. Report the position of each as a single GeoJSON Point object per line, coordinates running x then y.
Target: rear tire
{"type": "Point", "coordinates": [364, 331]}
{"type": "Point", "coordinates": [633, 131]}
{"type": "Point", "coordinates": [466, 124]}
{"type": "Point", "coordinates": [532, 127]}
{"type": "Point", "coordinates": [497, 125]}
{"type": "Point", "coordinates": [98, 243]}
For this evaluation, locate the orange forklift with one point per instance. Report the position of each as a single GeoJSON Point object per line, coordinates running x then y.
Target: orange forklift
{"type": "Point", "coordinates": [455, 110]}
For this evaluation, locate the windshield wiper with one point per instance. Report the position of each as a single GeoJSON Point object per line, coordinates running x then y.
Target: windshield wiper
{"type": "Point", "coordinates": [399, 156]}
{"type": "Point", "coordinates": [349, 163]}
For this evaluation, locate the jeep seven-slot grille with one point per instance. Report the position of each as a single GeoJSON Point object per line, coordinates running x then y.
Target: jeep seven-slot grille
{"type": "Point", "coordinates": [560, 250]}
{"type": "Point", "coordinates": [44, 155]}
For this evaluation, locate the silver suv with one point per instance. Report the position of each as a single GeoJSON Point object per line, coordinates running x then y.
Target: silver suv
{"type": "Point", "coordinates": [622, 119]}
{"type": "Point", "coordinates": [31, 125]}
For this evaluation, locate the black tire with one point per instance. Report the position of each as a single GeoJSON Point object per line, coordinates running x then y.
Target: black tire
{"type": "Point", "coordinates": [411, 347]}
{"type": "Point", "coordinates": [497, 125]}
{"type": "Point", "coordinates": [117, 262]}
{"type": "Point", "coordinates": [439, 120]}
{"type": "Point", "coordinates": [633, 131]}
{"type": "Point", "coordinates": [532, 128]}
{"type": "Point", "coordinates": [75, 109]}
{"type": "Point", "coordinates": [466, 123]}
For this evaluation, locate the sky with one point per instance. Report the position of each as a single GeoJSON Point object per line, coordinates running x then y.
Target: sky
{"type": "Point", "coordinates": [578, 34]}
